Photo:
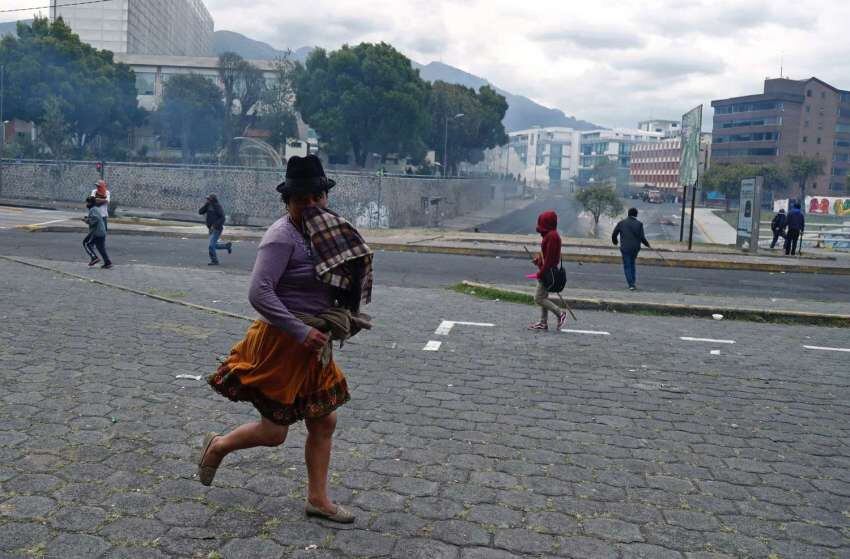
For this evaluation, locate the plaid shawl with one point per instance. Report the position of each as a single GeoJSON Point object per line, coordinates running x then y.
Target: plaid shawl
{"type": "Point", "coordinates": [345, 261]}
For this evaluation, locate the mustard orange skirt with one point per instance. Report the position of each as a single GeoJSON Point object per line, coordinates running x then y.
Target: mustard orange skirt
{"type": "Point", "coordinates": [283, 380]}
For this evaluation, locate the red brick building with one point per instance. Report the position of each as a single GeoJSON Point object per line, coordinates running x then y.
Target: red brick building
{"type": "Point", "coordinates": [656, 164]}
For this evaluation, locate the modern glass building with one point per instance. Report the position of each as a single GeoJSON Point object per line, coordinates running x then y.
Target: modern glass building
{"type": "Point", "coordinates": [167, 27]}
{"type": "Point", "coordinates": [615, 146]}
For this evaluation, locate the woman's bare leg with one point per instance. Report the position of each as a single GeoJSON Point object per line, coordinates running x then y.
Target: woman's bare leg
{"type": "Point", "coordinates": [317, 455]}
{"type": "Point", "coordinates": [249, 435]}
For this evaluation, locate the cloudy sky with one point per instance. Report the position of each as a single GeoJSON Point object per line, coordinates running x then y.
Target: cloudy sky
{"type": "Point", "coordinates": [613, 62]}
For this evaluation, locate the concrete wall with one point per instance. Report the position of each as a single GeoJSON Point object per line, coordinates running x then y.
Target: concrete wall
{"type": "Point", "coordinates": [248, 195]}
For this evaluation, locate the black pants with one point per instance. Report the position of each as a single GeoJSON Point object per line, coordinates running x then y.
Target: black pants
{"type": "Point", "coordinates": [791, 242]}
{"type": "Point", "coordinates": [88, 246]}
{"type": "Point", "coordinates": [100, 243]}
{"type": "Point", "coordinates": [776, 234]}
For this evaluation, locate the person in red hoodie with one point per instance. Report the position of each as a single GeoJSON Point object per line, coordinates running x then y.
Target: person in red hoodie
{"type": "Point", "coordinates": [549, 257]}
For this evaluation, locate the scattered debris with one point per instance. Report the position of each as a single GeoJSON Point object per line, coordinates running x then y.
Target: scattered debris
{"type": "Point", "coordinates": [715, 352]}
{"type": "Point", "coordinates": [311, 547]}
{"type": "Point", "coordinates": [717, 316]}
{"type": "Point", "coordinates": [193, 377]}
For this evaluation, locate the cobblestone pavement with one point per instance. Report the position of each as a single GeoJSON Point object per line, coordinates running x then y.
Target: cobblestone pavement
{"type": "Point", "coordinates": [503, 443]}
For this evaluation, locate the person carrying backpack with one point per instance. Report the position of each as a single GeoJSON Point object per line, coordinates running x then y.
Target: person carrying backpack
{"type": "Point", "coordinates": [780, 220]}
{"type": "Point", "coordinates": [548, 259]}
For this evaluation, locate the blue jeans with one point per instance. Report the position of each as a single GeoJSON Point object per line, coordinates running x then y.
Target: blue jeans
{"type": "Point", "coordinates": [214, 244]}
{"type": "Point", "coordinates": [629, 259]}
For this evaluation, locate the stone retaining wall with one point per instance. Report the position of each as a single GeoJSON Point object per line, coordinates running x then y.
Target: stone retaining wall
{"type": "Point", "coordinates": [248, 195]}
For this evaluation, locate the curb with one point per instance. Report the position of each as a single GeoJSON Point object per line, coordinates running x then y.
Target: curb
{"type": "Point", "coordinates": [669, 309]}
{"type": "Point", "coordinates": [615, 259]}
{"type": "Point", "coordinates": [669, 262]}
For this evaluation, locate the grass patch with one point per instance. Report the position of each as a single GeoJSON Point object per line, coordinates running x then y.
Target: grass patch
{"type": "Point", "coordinates": [493, 294]}
{"type": "Point", "coordinates": [651, 309]}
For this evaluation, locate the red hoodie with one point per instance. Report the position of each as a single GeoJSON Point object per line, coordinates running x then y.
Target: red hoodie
{"type": "Point", "coordinates": [550, 246]}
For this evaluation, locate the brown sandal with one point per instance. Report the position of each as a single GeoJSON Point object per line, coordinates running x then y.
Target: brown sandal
{"type": "Point", "coordinates": [206, 473]}
{"type": "Point", "coordinates": [342, 514]}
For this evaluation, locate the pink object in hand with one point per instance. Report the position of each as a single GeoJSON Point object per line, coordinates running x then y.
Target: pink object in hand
{"type": "Point", "coordinates": [532, 276]}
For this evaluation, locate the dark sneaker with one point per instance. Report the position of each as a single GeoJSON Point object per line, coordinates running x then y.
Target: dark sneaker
{"type": "Point", "coordinates": [212, 263]}
{"type": "Point", "coordinates": [107, 266]}
{"type": "Point", "coordinates": [229, 248]}
{"type": "Point", "coordinates": [562, 320]}
{"type": "Point", "coordinates": [94, 261]}
{"type": "Point", "coordinates": [632, 288]}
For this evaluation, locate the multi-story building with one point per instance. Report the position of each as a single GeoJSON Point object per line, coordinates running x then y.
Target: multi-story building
{"type": "Point", "coordinates": [168, 27]}
{"type": "Point", "coordinates": [613, 145]}
{"type": "Point", "coordinates": [656, 164]}
{"type": "Point", "coordinates": [792, 117]}
{"type": "Point", "coordinates": [670, 128]}
{"type": "Point", "coordinates": [541, 156]}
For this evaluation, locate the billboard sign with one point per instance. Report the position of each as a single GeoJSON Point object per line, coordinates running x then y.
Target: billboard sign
{"type": "Point", "coordinates": [691, 129]}
{"type": "Point", "coordinates": [749, 213]}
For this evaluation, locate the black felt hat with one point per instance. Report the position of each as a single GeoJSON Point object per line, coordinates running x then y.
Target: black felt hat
{"type": "Point", "coordinates": [305, 175]}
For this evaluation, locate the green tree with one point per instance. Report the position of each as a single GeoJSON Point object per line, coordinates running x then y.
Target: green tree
{"type": "Point", "coordinates": [465, 138]}
{"type": "Point", "coordinates": [727, 179]}
{"type": "Point", "coordinates": [364, 99]}
{"type": "Point", "coordinates": [604, 170]}
{"type": "Point", "coordinates": [801, 168]}
{"type": "Point", "coordinates": [53, 131]}
{"type": "Point", "coordinates": [98, 97]}
{"type": "Point", "coordinates": [277, 113]}
{"type": "Point", "coordinates": [599, 200]}
{"type": "Point", "coordinates": [191, 113]}
{"type": "Point", "coordinates": [244, 86]}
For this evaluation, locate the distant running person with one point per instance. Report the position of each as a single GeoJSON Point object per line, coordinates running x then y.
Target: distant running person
{"type": "Point", "coordinates": [631, 236]}
{"type": "Point", "coordinates": [215, 225]}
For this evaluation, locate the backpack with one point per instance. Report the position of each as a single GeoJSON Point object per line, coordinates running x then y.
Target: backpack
{"type": "Point", "coordinates": [554, 279]}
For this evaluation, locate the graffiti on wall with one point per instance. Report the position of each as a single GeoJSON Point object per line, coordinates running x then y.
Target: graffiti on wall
{"type": "Point", "coordinates": [828, 205]}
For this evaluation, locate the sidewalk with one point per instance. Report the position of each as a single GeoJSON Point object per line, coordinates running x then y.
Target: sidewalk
{"type": "Point", "coordinates": [771, 309]}
{"type": "Point", "coordinates": [670, 254]}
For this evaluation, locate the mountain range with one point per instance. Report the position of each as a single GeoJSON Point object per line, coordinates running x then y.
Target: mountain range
{"type": "Point", "coordinates": [522, 112]}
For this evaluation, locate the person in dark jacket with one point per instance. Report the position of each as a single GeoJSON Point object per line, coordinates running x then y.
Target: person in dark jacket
{"type": "Point", "coordinates": [549, 257]}
{"type": "Point", "coordinates": [796, 225]}
{"type": "Point", "coordinates": [780, 220]}
{"type": "Point", "coordinates": [215, 223]}
{"type": "Point", "coordinates": [631, 236]}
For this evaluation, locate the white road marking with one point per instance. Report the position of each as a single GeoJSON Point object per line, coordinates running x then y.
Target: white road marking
{"type": "Point", "coordinates": [709, 340]}
{"type": "Point", "coordinates": [432, 346]}
{"type": "Point", "coordinates": [446, 326]}
{"type": "Point", "coordinates": [827, 348]}
{"type": "Point", "coordinates": [44, 223]}
{"type": "Point", "coordinates": [589, 332]}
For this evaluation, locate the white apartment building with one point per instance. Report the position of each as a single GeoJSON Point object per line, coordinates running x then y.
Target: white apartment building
{"type": "Point", "coordinates": [670, 128]}
{"type": "Point", "coordinates": [166, 27]}
{"type": "Point", "coordinates": [614, 145]}
{"type": "Point", "coordinates": [541, 156]}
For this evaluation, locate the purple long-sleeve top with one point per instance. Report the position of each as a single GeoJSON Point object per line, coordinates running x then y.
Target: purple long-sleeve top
{"type": "Point", "coordinates": [284, 280]}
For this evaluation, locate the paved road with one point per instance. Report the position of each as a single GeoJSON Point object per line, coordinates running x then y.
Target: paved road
{"type": "Point", "coordinates": [434, 270]}
{"type": "Point", "coordinates": [525, 220]}
{"type": "Point", "coordinates": [661, 221]}
{"type": "Point", "coordinates": [11, 217]}
{"type": "Point", "coordinates": [503, 443]}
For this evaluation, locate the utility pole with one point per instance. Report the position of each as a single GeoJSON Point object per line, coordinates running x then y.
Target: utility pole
{"type": "Point", "coordinates": [2, 122]}
{"type": "Point", "coordinates": [446, 144]}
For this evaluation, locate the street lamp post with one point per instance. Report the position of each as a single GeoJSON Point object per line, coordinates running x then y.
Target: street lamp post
{"type": "Point", "coordinates": [446, 143]}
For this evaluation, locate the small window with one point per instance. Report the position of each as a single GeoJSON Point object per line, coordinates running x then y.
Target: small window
{"type": "Point", "coordinates": [808, 93]}
{"type": "Point", "coordinates": [805, 139]}
{"type": "Point", "coordinates": [823, 94]}
{"type": "Point", "coordinates": [808, 108]}
{"type": "Point", "coordinates": [818, 140]}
